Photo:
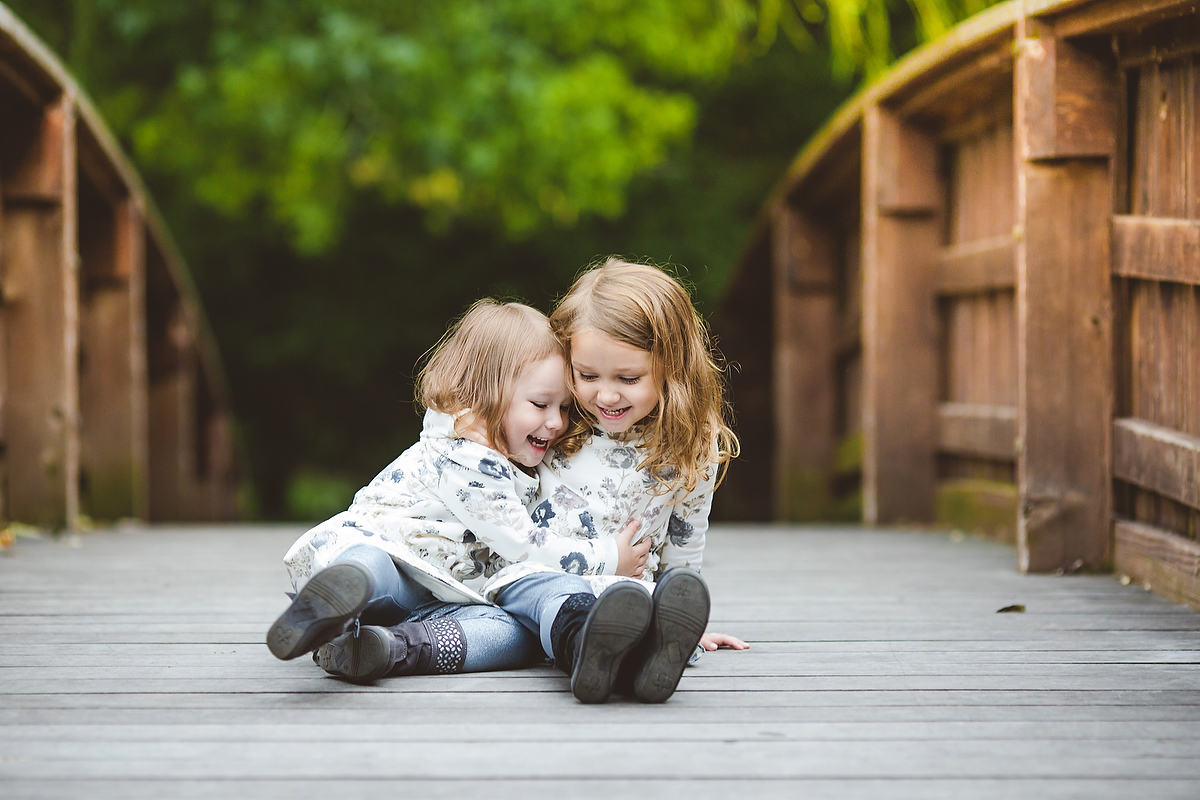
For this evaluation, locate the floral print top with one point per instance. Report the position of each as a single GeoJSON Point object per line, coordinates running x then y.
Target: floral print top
{"type": "Point", "coordinates": [593, 494]}
{"type": "Point", "coordinates": [459, 506]}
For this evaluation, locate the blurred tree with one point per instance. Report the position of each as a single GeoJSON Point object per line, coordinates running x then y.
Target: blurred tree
{"type": "Point", "coordinates": [345, 177]}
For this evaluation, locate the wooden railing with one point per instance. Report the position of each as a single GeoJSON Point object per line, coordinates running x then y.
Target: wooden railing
{"type": "Point", "coordinates": [112, 400]}
{"type": "Point", "coordinates": [984, 277]}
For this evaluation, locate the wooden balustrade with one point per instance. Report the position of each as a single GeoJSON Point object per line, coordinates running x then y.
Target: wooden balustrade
{"type": "Point", "coordinates": [1024, 319]}
{"type": "Point", "coordinates": [87, 273]}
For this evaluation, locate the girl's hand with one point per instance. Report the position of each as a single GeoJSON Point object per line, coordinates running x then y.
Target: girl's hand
{"type": "Point", "coordinates": [631, 559]}
{"type": "Point", "coordinates": [711, 641]}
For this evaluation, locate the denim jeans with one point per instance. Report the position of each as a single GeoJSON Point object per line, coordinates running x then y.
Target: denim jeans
{"type": "Point", "coordinates": [495, 639]}
{"type": "Point", "coordinates": [536, 599]}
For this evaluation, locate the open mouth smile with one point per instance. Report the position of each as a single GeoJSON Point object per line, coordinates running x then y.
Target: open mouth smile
{"type": "Point", "coordinates": [540, 444]}
{"type": "Point", "coordinates": [613, 414]}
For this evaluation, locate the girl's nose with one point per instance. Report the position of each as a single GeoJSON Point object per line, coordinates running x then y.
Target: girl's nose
{"type": "Point", "coordinates": [554, 421]}
{"type": "Point", "coordinates": [608, 396]}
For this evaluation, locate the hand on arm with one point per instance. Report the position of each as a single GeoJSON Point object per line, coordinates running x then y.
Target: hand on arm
{"type": "Point", "coordinates": [711, 641]}
{"type": "Point", "coordinates": [631, 558]}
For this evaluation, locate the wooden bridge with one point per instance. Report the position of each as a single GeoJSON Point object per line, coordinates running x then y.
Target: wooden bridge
{"type": "Point", "coordinates": [980, 282]}
{"type": "Point", "coordinates": [112, 398]}
{"type": "Point", "coordinates": [985, 311]}
{"type": "Point", "coordinates": [132, 665]}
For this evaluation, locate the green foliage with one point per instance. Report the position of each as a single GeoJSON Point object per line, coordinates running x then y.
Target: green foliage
{"type": "Point", "coordinates": [345, 177]}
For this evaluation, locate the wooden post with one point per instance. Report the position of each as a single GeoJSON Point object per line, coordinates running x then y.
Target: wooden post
{"type": "Point", "coordinates": [1065, 122]}
{"type": "Point", "coordinates": [131, 251]}
{"type": "Point", "coordinates": [41, 316]}
{"type": "Point", "coordinates": [113, 363]}
{"type": "Point", "coordinates": [805, 337]}
{"type": "Point", "coordinates": [902, 202]}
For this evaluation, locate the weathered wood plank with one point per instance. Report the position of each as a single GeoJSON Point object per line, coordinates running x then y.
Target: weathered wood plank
{"type": "Point", "coordinates": [805, 341]}
{"type": "Point", "coordinates": [1168, 563]}
{"type": "Point", "coordinates": [979, 266]}
{"type": "Point", "coordinates": [1156, 249]}
{"type": "Point", "coordinates": [1064, 298]}
{"type": "Point", "coordinates": [1157, 458]}
{"type": "Point", "coordinates": [903, 199]}
{"type": "Point", "coordinates": [978, 430]}
{"type": "Point", "coordinates": [41, 308]}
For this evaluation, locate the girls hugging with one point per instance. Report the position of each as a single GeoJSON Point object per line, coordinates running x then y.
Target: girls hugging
{"type": "Point", "coordinates": [555, 505]}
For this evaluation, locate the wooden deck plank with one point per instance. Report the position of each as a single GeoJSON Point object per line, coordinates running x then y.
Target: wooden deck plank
{"type": "Point", "coordinates": [879, 667]}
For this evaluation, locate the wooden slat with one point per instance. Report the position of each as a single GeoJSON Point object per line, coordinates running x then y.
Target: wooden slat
{"type": "Point", "coordinates": [977, 430]}
{"type": "Point", "coordinates": [1157, 458]}
{"type": "Point", "coordinates": [1064, 312]}
{"type": "Point", "coordinates": [901, 235]}
{"type": "Point", "coordinates": [979, 266]}
{"type": "Point", "coordinates": [1156, 249]}
{"type": "Point", "coordinates": [804, 257]}
{"type": "Point", "coordinates": [1165, 562]}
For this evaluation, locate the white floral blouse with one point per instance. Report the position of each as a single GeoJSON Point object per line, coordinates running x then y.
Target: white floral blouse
{"type": "Point", "coordinates": [454, 516]}
{"type": "Point", "coordinates": [593, 494]}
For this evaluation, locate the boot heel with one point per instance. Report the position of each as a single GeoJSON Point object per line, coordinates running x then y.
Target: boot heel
{"type": "Point", "coordinates": [614, 626]}
{"type": "Point", "coordinates": [681, 606]}
{"type": "Point", "coordinates": [329, 600]}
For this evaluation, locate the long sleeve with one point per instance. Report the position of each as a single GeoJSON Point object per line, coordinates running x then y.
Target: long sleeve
{"type": "Point", "coordinates": [480, 493]}
{"type": "Point", "coordinates": [687, 527]}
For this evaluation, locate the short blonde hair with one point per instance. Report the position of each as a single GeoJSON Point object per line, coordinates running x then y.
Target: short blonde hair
{"type": "Point", "coordinates": [643, 307]}
{"type": "Point", "coordinates": [475, 364]}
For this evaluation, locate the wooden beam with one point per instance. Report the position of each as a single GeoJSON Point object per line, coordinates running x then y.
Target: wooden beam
{"type": "Point", "coordinates": [131, 261]}
{"type": "Point", "coordinates": [1165, 562]}
{"type": "Point", "coordinates": [1119, 15]}
{"type": "Point", "coordinates": [41, 311]}
{"type": "Point", "coordinates": [1157, 458]}
{"type": "Point", "coordinates": [978, 430]}
{"type": "Point", "coordinates": [1157, 249]}
{"type": "Point", "coordinates": [1068, 98]}
{"type": "Point", "coordinates": [1064, 315]}
{"type": "Point", "coordinates": [804, 258]}
{"type": "Point", "coordinates": [980, 266]}
{"type": "Point", "coordinates": [112, 371]}
{"type": "Point", "coordinates": [903, 202]}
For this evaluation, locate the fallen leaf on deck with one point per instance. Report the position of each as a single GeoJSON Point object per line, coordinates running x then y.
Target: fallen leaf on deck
{"type": "Point", "coordinates": [1016, 608]}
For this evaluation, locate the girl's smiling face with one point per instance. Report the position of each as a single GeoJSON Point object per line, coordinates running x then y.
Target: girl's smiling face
{"type": "Point", "coordinates": [615, 382]}
{"type": "Point", "coordinates": [537, 413]}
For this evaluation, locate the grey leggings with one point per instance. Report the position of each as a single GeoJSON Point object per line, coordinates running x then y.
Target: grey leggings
{"type": "Point", "coordinates": [495, 640]}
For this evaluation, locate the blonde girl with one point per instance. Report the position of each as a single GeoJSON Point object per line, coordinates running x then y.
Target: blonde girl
{"type": "Point", "coordinates": [403, 564]}
{"type": "Point", "coordinates": [649, 446]}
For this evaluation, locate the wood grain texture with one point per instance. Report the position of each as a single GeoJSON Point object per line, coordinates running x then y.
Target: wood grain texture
{"type": "Point", "coordinates": [901, 239]}
{"type": "Point", "coordinates": [1157, 458]}
{"type": "Point", "coordinates": [1068, 97]}
{"type": "Point", "coordinates": [1160, 560]}
{"type": "Point", "coordinates": [1157, 249]}
{"type": "Point", "coordinates": [876, 656]}
{"type": "Point", "coordinates": [805, 350]}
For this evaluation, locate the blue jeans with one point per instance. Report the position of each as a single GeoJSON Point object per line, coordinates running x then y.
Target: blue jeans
{"type": "Point", "coordinates": [535, 600]}
{"type": "Point", "coordinates": [495, 640]}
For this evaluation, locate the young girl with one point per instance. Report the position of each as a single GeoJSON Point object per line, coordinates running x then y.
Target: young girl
{"type": "Point", "coordinates": [449, 517]}
{"type": "Point", "coordinates": [651, 396]}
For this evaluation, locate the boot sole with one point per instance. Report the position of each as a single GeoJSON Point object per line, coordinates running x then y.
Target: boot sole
{"type": "Point", "coordinates": [681, 606]}
{"type": "Point", "coordinates": [614, 626]}
{"type": "Point", "coordinates": [333, 597]}
{"type": "Point", "coordinates": [364, 658]}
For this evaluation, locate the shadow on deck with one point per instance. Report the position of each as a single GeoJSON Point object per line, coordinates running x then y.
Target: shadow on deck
{"type": "Point", "coordinates": [133, 666]}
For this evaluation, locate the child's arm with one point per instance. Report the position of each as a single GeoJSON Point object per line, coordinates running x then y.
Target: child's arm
{"type": "Point", "coordinates": [483, 499]}
{"type": "Point", "coordinates": [712, 641]}
{"type": "Point", "coordinates": [687, 527]}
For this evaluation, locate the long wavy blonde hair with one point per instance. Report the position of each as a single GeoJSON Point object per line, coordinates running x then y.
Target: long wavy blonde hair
{"type": "Point", "coordinates": [476, 363]}
{"type": "Point", "coordinates": [643, 307]}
